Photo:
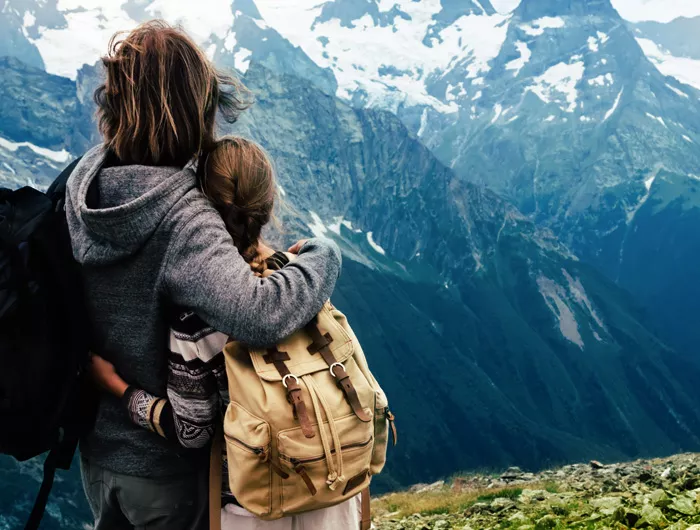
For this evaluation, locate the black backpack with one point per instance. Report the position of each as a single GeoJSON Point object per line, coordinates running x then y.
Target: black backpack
{"type": "Point", "coordinates": [45, 402]}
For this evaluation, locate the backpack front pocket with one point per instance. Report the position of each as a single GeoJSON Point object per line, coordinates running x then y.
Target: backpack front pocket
{"type": "Point", "coordinates": [248, 451]}
{"type": "Point", "coordinates": [316, 482]}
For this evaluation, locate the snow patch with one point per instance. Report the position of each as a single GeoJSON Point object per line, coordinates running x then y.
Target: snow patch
{"type": "Point", "coordinates": [561, 78]}
{"type": "Point", "coordinates": [538, 27]}
{"type": "Point", "coordinates": [649, 182]}
{"type": "Point", "coordinates": [680, 93]}
{"type": "Point", "coordinates": [374, 245]}
{"type": "Point", "coordinates": [498, 110]}
{"type": "Point", "coordinates": [230, 41]}
{"type": "Point", "coordinates": [28, 20]}
{"type": "Point", "coordinates": [60, 157]}
{"type": "Point", "coordinates": [614, 107]}
{"type": "Point", "coordinates": [316, 226]}
{"type": "Point", "coordinates": [335, 225]}
{"type": "Point", "coordinates": [241, 59]}
{"type": "Point", "coordinates": [477, 95]}
{"type": "Point", "coordinates": [657, 118]}
{"type": "Point", "coordinates": [423, 122]}
{"type": "Point", "coordinates": [593, 44]}
{"type": "Point", "coordinates": [9, 168]}
{"type": "Point", "coordinates": [682, 68]}
{"type": "Point", "coordinates": [551, 117]}
{"type": "Point", "coordinates": [525, 55]}
{"type": "Point", "coordinates": [602, 80]}
{"type": "Point", "coordinates": [687, 138]}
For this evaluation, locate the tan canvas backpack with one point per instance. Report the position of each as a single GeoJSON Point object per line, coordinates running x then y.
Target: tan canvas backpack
{"type": "Point", "coordinates": [308, 424]}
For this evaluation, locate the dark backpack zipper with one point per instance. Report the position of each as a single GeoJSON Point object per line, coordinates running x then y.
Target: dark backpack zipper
{"type": "Point", "coordinates": [263, 455]}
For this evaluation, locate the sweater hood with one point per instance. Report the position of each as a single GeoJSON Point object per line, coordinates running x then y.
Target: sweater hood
{"type": "Point", "coordinates": [131, 202]}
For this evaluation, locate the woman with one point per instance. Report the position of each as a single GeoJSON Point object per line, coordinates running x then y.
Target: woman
{"type": "Point", "coordinates": [148, 239]}
{"type": "Point", "coordinates": [238, 178]}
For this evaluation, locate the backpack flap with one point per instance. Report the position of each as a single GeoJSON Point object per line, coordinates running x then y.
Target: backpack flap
{"type": "Point", "coordinates": [298, 348]}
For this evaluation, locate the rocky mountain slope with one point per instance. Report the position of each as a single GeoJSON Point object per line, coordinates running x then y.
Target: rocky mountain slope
{"type": "Point", "coordinates": [559, 107]}
{"type": "Point", "coordinates": [655, 494]}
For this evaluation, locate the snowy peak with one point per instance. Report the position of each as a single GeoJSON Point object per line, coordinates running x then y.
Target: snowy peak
{"type": "Point", "coordinates": [349, 12]}
{"type": "Point", "coordinates": [535, 9]}
{"type": "Point", "coordinates": [246, 7]}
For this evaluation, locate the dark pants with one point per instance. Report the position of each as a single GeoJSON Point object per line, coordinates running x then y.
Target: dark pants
{"type": "Point", "coordinates": [124, 502]}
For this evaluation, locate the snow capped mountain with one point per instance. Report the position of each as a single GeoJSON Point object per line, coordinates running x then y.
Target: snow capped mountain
{"type": "Point", "coordinates": [672, 47]}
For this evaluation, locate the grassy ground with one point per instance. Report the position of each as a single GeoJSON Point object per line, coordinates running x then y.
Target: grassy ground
{"type": "Point", "coordinates": [448, 499]}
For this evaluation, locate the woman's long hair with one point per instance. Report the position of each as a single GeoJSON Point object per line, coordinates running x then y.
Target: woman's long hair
{"type": "Point", "coordinates": [159, 101]}
{"type": "Point", "coordinates": [239, 179]}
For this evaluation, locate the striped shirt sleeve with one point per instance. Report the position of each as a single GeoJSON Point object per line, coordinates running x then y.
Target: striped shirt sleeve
{"type": "Point", "coordinates": [196, 383]}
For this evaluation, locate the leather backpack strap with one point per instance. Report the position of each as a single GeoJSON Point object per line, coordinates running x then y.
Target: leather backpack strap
{"type": "Point", "coordinates": [215, 477]}
{"type": "Point", "coordinates": [366, 522]}
{"type": "Point", "coordinates": [321, 345]}
{"type": "Point", "coordinates": [294, 394]}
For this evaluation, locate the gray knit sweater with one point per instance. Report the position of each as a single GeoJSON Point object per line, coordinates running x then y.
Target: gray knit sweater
{"type": "Point", "coordinates": [152, 242]}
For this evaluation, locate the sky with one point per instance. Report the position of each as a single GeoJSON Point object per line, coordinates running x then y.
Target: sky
{"type": "Point", "coordinates": [635, 10]}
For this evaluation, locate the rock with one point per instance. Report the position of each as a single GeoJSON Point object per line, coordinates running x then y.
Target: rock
{"type": "Point", "coordinates": [512, 473]}
{"type": "Point", "coordinates": [606, 505]}
{"type": "Point", "coordinates": [547, 523]}
{"type": "Point", "coordinates": [502, 504]}
{"type": "Point", "coordinates": [652, 516]}
{"type": "Point", "coordinates": [518, 518]}
{"type": "Point", "coordinates": [479, 507]}
{"type": "Point", "coordinates": [442, 525]}
{"type": "Point", "coordinates": [666, 473]}
{"type": "Point", "coordinates": [596, 465]}
{"type": "Point", "coordinates": [684, 505]}
{"type": "Point", "coordinates": [529, 496]}
{"type": "Point", "coordinates": [425, 488]}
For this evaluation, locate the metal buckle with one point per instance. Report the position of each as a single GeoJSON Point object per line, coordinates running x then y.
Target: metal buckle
{"type": "Point", "coordinates": [284, 380]}
{"type": "Point", "coordinates": [337, 364]}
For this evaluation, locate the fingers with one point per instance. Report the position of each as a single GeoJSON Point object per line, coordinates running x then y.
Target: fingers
{"type": "Point", "coordinates": [296, 247]}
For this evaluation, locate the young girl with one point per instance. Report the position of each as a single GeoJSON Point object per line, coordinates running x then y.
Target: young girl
{"type": "Point", "coordinates": [238, 178]}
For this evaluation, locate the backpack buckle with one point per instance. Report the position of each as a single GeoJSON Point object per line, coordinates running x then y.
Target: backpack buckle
{"type": "Point", "coordinates": [284, 380]}
{"type": "Point", "coordinates": [334, 365]}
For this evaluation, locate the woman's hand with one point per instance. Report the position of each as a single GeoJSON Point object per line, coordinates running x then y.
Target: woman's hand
{"type": "Point", "coordinates": [104, 374]}
{"type": "Point", "coordinates": [296, 247]}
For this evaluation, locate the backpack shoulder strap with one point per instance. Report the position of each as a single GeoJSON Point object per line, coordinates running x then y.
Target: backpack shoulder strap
{"type": "Point", "coordinates": [57, 190]}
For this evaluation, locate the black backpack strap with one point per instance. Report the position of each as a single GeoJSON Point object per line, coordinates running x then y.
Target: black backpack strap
{"type": "Point", "coordinates": [43, 496]}
{"type": "Point", "coordinates": [61, 455]}
{"type": "Point", "coordinates": [58, 186]}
